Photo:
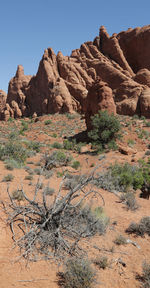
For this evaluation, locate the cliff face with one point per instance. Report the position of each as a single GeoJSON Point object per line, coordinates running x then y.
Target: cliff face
{"type": "Point", "coordinates": [110, 72]}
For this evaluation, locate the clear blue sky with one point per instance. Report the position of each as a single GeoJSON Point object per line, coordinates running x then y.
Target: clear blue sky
{"type": "Point", "coordinates": [27, 27]}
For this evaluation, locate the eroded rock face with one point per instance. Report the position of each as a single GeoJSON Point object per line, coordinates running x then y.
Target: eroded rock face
{"type": "Point", "coordinates": [68, 84]}
{"type": "Point", "coordinates": [145, 103]}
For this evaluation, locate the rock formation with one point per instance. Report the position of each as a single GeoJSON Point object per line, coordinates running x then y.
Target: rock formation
{"type": "Point", "coordinates": [99, 97]}
{"type": "Point", "coordinates": [110, 73]}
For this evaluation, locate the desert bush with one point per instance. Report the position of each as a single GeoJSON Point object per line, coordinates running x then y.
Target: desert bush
{"type": "Point", "coordinates": [69, 145]}
{"type": "Point", "coordinates": [10, 119]}
{"type": "Point", "coordinates": [28, 177]}
{"type": "Point", "coordinates": [56, 159]}
{"type": "Point", "coordinates": [72, 145]}
{"type": "Point", "coordinates": [78, 273]}
{"type": "Point", "coordinates": [48, 191]}
{"type": "Point", "coordinates": [146, 275]}
{"type": "Point", "coordinates": [71, 116]}
{"type": "Point", "coordinates": [101, 262]}
{"type": "Point", "coordinates": [135, 117]}
{"type": "Point", "coordinates": [141, 228]}
{"type": "Point", "coordinates": [10, 164]}
{"type": "Point", "coordinates": [54, 135]}
{"type": "Point", "coordinates": [38, 171]}
{"type": "Point", "coordinates": [105, 128]}
{"type": "Point", "coordinates": [71, 181]}
{"type": "Point", "coordinates": [48, 174]}
{"type": "Point", "coordinates": [17, 195]}
{"type": "Point", "coordinates": [147, 123]}
{"type": "Point", "coordinates": [75, 164]}
{"type": "Point", "coordinates": [120, 240]}
{"type": "Point", "coordinates": [57, 145]}
{"type": "Point", "coordinates": [47, 122]}
{"type": "Point", "coordinates": [33, 145]}
{"type": "Point", "coordinates": [121, 178]}
{"type": "Point", "coordinates": [8, 178]}
{"type": "Point", "coordinates": [29, 170]}
{"type": "Point", "coordinates": [130, 200]}
{"type": "Point", "coordinates": [13, 150]}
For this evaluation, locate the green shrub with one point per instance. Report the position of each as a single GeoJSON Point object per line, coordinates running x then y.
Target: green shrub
{"type": "Point", "coordinates": [72, 145]}
{"type": "Point", "coordinates": [33, 145]}
{"type": "Point", "coordinates": [141, 228]}
{"type": "Point", "coordinates": [71, 116]}
{"type": "Point", "coordinates": [57, 159]}
{"type": "Point", "coordinates": [18, 195]}
{"type": "Point", "coordinates": [13, 150]}
{"type": "Point", "coordinates": [38, 171]}
{"type": "Point", "coordinates": [10, 164]}
{"type": "Point", "coordinates": [135, 117]}
{"type": "Point", "coordinates": [48, 191]}
{"type": "Point", "coordinates": [28, 177]}
{"type": "Point", "coordinates": [57, 145]}
{"type": "Point", "coordinates": [120, 177]}
{"type": "Point", "coordinates": [68, 145]}
{"type": "Point", "coordinates": [101, 262]}
{"type": "Point", "coordinates": [131, 142]}
{"type": "Point", "coordinates": [130, 200]}
{"type": "Point", "coordinates": [10, 119]}
{"type": "Point", "coordinates": [8, 178]}
{"type": "Point", "coordinates": [75, 164]}
{"type": "Point", "coordinates": [105, 128]}
{"type": "Point", "coordinates": [78, 273]}
{"type": "Point", "coordinates": [47, 122]}
{"type": "Point", "coordinates": [146, 274]}
{"type": "Point", "coordinates": [54, 135]}
{"type": "Point", "coordinates": [148, 124]}
{"type": "Point", "coordinates": [120, 240]}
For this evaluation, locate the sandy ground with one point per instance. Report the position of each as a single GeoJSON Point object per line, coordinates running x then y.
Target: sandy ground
{"type": "Point", "coordinates": [16, 272]}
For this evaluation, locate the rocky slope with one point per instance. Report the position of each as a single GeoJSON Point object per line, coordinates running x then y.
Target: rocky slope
{"type": "Point", "coordinates": [109, 73]}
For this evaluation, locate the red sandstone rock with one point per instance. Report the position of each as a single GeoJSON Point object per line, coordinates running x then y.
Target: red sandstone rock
{"type": "Point", "coordinates": [3, 97]}
{"type": "Point", "coordinates": [127, 97]}
{"type": "Point", "coordinates": [145, 103]}
{"type": "Point", "coordinates": [135, 44]}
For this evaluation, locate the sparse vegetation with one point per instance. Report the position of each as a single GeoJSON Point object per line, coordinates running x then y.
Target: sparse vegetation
{"type": "Point", "coordinates": [57, 145]}
{"type": "Point", "coordinates": [141, 228]}
{"type": "Point", "coordinates": [78, 274]}
{"type": "Point", "coordinates": [101, 262]}
{"type": "Point", "coordinates": [75, 164]}
{"type": "Point", "coordinates": [28, 177]}
{"type": "Point", "coordinates": [17, 195]}
{"type": "Point", "coordinates": [13, 150]}
{"type": "Point", "coordinates": [8, 178]}
{"type": "Point", "coordinates": [56, 159]}
{"type": "Point", "coordinates": [121, 178]}
{"type": "Point", "coordinates": [146, 275]}
{"type": "Point", "coordinates": [120, 240]}
{"type": "Point", "coordinates": [47, 122]}
{"type": "Point", "coordinates": [130, 200]}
